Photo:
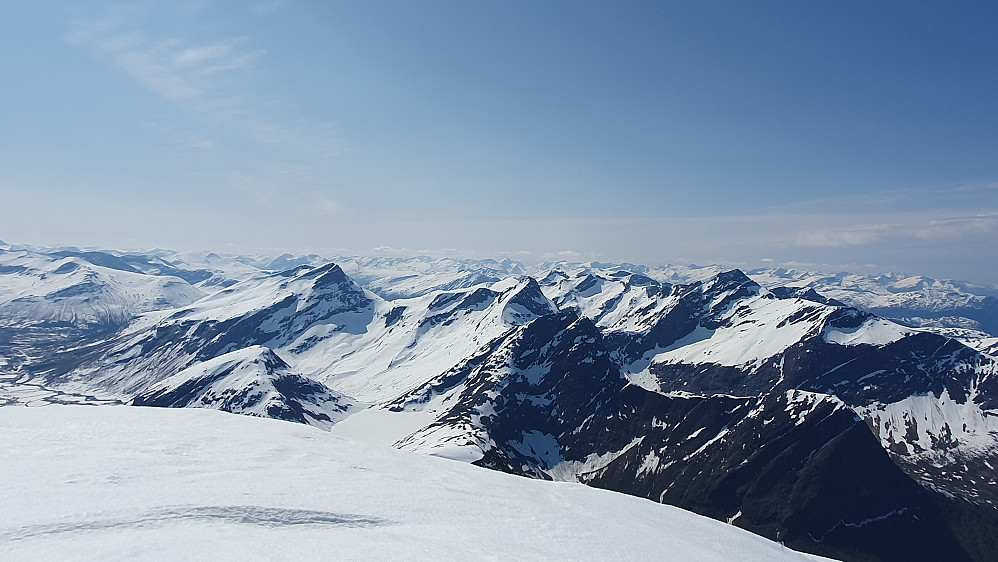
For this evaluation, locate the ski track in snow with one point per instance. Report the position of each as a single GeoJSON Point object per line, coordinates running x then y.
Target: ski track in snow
{"type": "Point", "coordinates": [235, 514]}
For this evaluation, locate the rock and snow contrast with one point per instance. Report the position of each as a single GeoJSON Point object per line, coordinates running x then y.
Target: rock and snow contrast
{"type": "Point", "coordinates": [143, 483]}
{"type": "Point", "coordinates": [809, 409]}
{"type": "Point", "coordinates": [947, 306]}
{"type": "Point", "coordinates": [253, 381]}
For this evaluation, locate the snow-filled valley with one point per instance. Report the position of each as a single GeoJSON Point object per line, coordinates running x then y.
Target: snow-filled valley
{"type": "Point", "coordinates": [755, 399]}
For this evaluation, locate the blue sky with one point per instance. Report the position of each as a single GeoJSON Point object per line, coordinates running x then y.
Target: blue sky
{"type": "Point", "coordinates": [858, 135]}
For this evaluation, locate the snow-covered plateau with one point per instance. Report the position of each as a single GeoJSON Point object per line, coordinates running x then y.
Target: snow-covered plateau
{"type": "Point", "coordinates": [112, 483]}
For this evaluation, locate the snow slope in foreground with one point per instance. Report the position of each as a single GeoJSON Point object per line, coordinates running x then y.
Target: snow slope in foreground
{"type": "Point", "coordinates": [124, 482]}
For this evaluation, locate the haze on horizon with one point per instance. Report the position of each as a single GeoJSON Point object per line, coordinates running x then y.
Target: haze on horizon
{"type": "Point", "coordinates": [832, 135]}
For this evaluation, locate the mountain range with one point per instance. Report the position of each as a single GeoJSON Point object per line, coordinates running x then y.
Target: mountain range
{"type": "Point", "coordinates": [843, 415]}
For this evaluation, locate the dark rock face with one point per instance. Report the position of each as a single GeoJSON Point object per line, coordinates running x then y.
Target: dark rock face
{"type": "Point", "coordinates": [700, 304]}
{"type": "Point", "coordinates": [796, 468]}
{"type": "Point", "coordinates": [805, 293]}
{"type": "Point", "coordinates": [859, 374]}
{"type": "Point", "coordinates": [776, 449]}
{"type": "Point", "coordinates": [274, 391]}
{"type": "Point", "coordinates": [793, 466]}
{"type": "Point", "coordinates": [449, 308]}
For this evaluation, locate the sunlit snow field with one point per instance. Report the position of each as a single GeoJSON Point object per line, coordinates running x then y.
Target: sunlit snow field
{"type": "Point", "coordinates": [116, 482]}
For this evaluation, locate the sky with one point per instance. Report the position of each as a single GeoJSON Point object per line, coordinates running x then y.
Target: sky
{"type": "Point", "coordinates": [831, 135]}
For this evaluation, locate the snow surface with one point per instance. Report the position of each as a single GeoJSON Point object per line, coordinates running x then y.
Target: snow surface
{"type": "Point", "coordinates": [382, 427]}
{"type": "Point", "coordinates": [927, 422]}
{"type": "Point", "coordinates": [109, 483]}
{"type": "Point", "coordinates": [406, 277]}
{"type": "Point", "coordinates": [245, 381]}
{"type": "Point", "coordinates": [890, 290]}
{"type": "Point", "coordinates": [616, 301]}
{"type": "Point", "coordinates": [758, 329]}
{"type": "Point", "coordinates": [72, 290]}
{"type": "Point", "coordinates": [984, 345]}
{"type": "Point", "coordinates": [388, 361]}
{"type": "Point", "coordinates": [875, 331]}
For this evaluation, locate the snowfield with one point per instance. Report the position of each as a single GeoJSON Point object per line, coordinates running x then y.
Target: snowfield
{"type": "Point", "coordinates": [99, 483]}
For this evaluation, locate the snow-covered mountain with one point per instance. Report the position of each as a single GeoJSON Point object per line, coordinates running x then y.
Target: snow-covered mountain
{"type": "Point", "coordinates": [124, 483]}
{"type": "Point", "coordinates": [94, 289]}
{"type": "Point", "coordinates": [413, 277]}
{"type": "Point", "coordinates": [927, 396]}
{"type": "Point", "coordinates": [252, 381]}
{"type": "Point", "coordinates": [728, 423]}
{"type": "Point", "coordinates": [283, 310]}
{"type": "Point", "coordinates": [778, 408]}
{"type": "Point", "coordinates": [913, 300]}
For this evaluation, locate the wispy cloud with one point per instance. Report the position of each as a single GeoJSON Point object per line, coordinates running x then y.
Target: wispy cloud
{"type": "Point", "coordinates": [885, 242]}
{"type": "Point", "coordinates": [922, 227]}
{"type": "Point", "coordinates": [317, 139]}
{"type": "Point", "coordinates": [188, 140]}
{"type": "Point", "coordinates": [209, 78]}
{"type": "Point", "coordinates": [169, 68]}
{"type": "Point", "coordinates": [218, 57]}
{"type": "Point", "coordinates": [960, 226]}
{"type": "Point", "coordinates": [199, 55]}
{"type": "Point", "coordinates": [969, 195]}
{"type": "Point", "coordinates": [297, 189]}
{"type": "Point", "coordinates": [840, 238]}
{"type": "Point", "coordinates": [328, 206]}
{"type": "Point", "coordinates": [271, 183]}
{"type": "Point", "coordinates": [268, 7]}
